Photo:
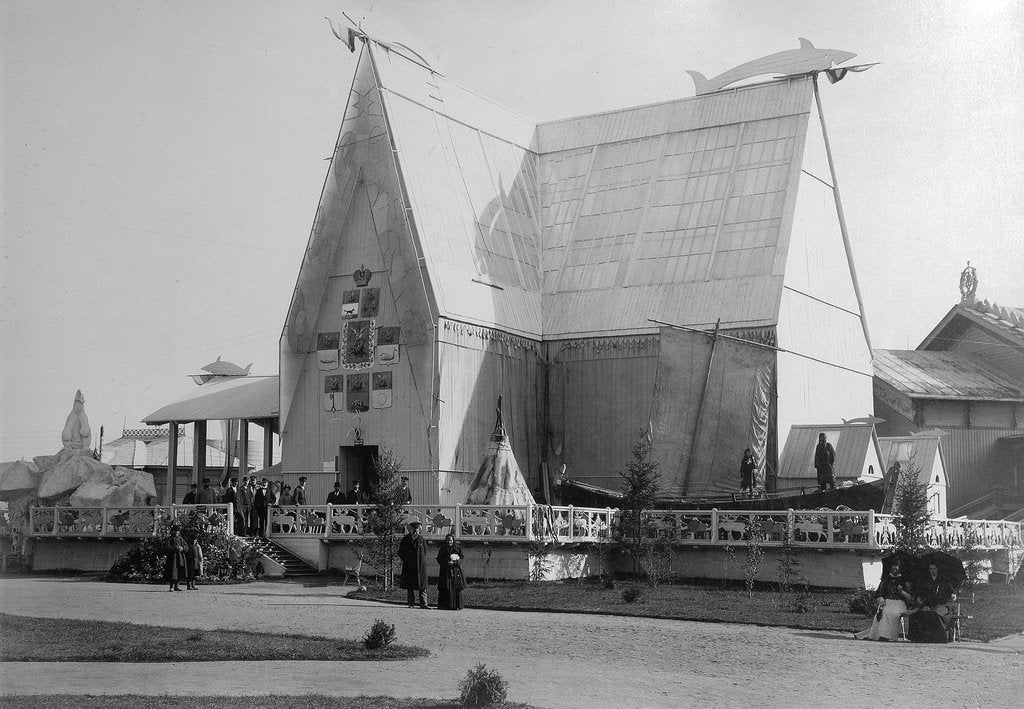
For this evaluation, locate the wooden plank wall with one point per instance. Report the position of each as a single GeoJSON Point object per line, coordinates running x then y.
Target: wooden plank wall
{"type": "Point", "coordinates": [313, 435]}
{"type": "Point", "coordinates": [477, 364]}
{"type": "Point", "coordinates": [601, 393]}
{"type": "Point", "coordinates": [973, 463]}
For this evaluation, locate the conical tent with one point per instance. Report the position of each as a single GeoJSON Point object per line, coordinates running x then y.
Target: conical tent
{"type": "Point", "coordinates": [498, 480]}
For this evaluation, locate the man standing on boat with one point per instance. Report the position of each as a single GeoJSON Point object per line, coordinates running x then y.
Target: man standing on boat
{"type": "Point", "coordinates": [748, 466]}
{"type": "Point", "coordinates": [824, 463]}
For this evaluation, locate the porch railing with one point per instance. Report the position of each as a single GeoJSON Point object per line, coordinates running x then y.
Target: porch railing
{"type": "Point", "coordinates": [123, 521]}
{"type": "Point", "coordinates": [523, 523]}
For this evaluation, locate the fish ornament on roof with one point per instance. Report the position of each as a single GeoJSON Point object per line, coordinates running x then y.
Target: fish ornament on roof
{"type": "Point", "coordinates": [805, 60]}
{"type": "Point", "coordinates": [220, 368]}
{"type": "Point", "coordinates": [869, 420]}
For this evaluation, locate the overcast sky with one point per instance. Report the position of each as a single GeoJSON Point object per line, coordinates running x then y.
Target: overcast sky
{"type": "Point", "coordinates": [162, 162]}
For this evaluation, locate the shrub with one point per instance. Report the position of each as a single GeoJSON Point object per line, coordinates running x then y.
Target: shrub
{"type": "Point", "coordinates": [789, 564]}
{"type": "Point", "coordinates": [754, 555]}
{"type": "Point", "coordinates": [631, 594]}
{"type": "Point", "coordinates": [482, 688]}
{"type": "Point", "coordinates": [225, 558]}
{"type": "Point", "coordinates": [862, 603]}
{"type": "Point", "coordinates": [379, 636]}
{"type": "Point", "coordinates": [804, 601]}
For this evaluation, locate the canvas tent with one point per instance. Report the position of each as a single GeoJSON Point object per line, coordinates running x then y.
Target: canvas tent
{"type": "Point", "coordinates": [498, 480]}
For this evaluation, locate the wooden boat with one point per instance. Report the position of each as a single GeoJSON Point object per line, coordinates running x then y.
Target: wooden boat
{"type": "Point", "coordinates": [874, 495]}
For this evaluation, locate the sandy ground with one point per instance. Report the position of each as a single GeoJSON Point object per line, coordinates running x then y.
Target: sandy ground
{"type": "Point", "coordinates": [549, 659]}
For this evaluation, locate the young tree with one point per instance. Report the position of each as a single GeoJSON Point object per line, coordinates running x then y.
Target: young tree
{"type": "Point", "coordinates": [640, 488]}
{"type": "Point", "coordinates": [910, 511]}
{"type": "Point", "coordinates": [383, 523]}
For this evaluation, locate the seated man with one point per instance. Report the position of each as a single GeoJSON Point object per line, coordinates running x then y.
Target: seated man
{"type": "Point", "coordinates": [930, 622]}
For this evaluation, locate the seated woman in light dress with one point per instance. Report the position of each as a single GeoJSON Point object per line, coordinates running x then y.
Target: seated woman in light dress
{"type": "Point", "coordinates": [892, 596]}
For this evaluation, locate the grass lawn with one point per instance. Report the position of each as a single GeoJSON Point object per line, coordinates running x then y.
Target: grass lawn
{"type": "Point", "coordinates": [25, 639]}
{"type": "Point", "coordinates": [998, 610]}
{"type": "Point", "coordinates": [309, 701]}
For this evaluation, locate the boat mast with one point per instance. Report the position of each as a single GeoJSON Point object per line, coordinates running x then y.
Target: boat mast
{"type": "Point", "coordinates": [700, 409]}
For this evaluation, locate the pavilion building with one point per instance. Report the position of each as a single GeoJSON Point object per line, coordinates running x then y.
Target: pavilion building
{"type": "Point", "coordinates": [678, 268]}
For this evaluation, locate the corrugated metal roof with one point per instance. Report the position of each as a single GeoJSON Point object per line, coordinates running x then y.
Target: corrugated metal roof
{"type": "Point", "coordinates": [942, 375]}
{"type": "Point", "coordinates": [918, 452]}
{"type": "Point", "coordinates": [851, 442]}
{"type": "Point", "coordinates": [673, 211]}
{"type": "Point", "coordinates": [234, 398]}
{"type": "Point", "coordinates": [699, 204]}
{"type": "Point", "coordinates": [745, 103]}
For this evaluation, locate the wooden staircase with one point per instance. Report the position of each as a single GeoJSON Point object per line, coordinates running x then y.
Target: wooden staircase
{"type": "Point", "coordinates": [293, 565]}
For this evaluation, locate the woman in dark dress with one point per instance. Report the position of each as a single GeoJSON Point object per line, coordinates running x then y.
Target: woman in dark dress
{"type": "Point", "coordinates": [450, 580]}
{"type": "Point", "coordinates": [193, 563]}
{"type": "Point", "coordinates": [175, 570]}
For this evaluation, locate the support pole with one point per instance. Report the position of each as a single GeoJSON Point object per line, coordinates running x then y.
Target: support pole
{"type": "Point", "coordinates": [842, 216]}
{"type": "Point", "coordinates": [172, 464]}
{"type": "Point", "coordinates": [198, 451]}
{"type": "Point", "coordinates": [268, 444]}
{"type": "Point", "coordinates": [243, 450]}
{"type": "Point", "coordinates": [700, 411]}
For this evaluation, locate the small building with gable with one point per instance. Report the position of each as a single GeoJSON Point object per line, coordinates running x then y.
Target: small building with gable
{"type": "Point", "coordinates": [858, 456]}
{"type": "Point", "coordinates": [920, 453]}
{"type": "Point", "coordinates": [966, 379]}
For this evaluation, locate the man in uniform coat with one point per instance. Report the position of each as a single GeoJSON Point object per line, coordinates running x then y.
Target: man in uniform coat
{"type": "Point", "coordinates": [413, 553]}
{"type": "Point", "coordinates": [356, 495]}
{"type": "Point", "coordinates": [299, 493]}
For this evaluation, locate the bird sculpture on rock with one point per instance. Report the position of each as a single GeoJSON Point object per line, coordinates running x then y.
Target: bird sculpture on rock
{"type": "Point", "coordinates": [76, 434]}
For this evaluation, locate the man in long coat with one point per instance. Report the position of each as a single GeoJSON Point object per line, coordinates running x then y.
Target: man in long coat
{"type": "Point", "coordinates": [824, 463]}
{"type": "Point", "coordinates": [413, 553]}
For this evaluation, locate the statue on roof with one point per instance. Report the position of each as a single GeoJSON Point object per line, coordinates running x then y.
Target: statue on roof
{"type": "Point", "coordinates": [77, 435]}
{"type": "Point", "coordinates": [968, 284]}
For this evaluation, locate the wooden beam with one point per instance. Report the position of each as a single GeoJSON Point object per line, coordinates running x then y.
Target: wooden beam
{"type": "Point", "coordinates": [268, 444]}
{"type": "Point", "coordinates": [700, 410]}
{"type": "Point", "coordinates": [243, 449]}
{"type": "Point", "coordinates": [842, 217]}
{"type": "Point", "coordinates": [172, 463]}
{"type": "Point", "coordinates": [199, 452]}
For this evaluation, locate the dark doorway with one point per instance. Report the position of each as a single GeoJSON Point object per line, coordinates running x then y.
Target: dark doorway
{"type": "Point", "coordinates": [356, 463]}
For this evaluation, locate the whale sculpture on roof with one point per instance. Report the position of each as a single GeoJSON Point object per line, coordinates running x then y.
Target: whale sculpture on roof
{"type": "Point", "coordinates": [804, 60]}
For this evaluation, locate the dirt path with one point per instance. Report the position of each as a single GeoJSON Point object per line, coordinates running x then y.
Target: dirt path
{"type": "Point", "coordinates": [550, 660]}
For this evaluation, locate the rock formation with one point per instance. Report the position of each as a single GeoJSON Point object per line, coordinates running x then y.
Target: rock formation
{"type": "Point", "coordinates": [74, 473]}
